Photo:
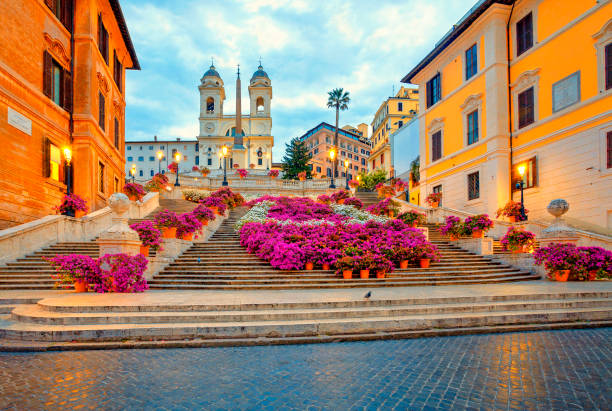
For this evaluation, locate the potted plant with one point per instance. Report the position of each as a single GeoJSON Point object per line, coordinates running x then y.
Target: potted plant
{"type": "Point", "coordinates": [324, 199]}
{"type": "Point", "coordinates": [518, 240]}
{"type": "Point", "coordinates": [340, 196]}
{"type": "Point", "coordinates": [302, 175]}
{"type": "Point", "coordinates": [150, 236]}
{"type": "Point", "coordinates": [73, 206]}
{"type": "Point", "coordinates": [452, 227]}
{"type": "Point", "coordinates": [512, 210]}
{"type": "Point", "coordinates": [188, 225]}
{"type": "Point", "coordinates": [353, 184]}
{"type": "Point", "coordinates": [203, 214]}
{"type": "Point", "coordinates": [121, 273]}
{"type": "Point", "coordinates": [399, 185]}
{"type": "Point", "coordinates": [345, 265]}
{"type": "Point", "coordinates": [134, 191]}
{"type": "Point", "coordinates": [168, 221]}
{"type": "Point", "coordinates": [596, 263]}
{"type": "Point", "coordinates": [354, 201]}
{"type": "Point", "coordinates": [216, 204]}
{"type": "Point", "coordinates": [387, 207]}
{"type": "Point", "coordinates": [195, 168]}
{"type": "Point", "coordinates": [402, 255]}
{"type": "Point", "coordinates": [75, 270]}
{"type": "Point", "coordinates": [381, 266]}
{"type": "Point", "coordinates": [173, 167]}
{"type": "Point", "coordinates": [412, 218]}
{"type": "Point", "coordinates": [386, 191]}
{"type": "Point", "coordinates": [477, 225]}
{"type": "Point", "coordinates": [242, 173]}
{"type": "Point", "coordinates": [273, 173]}
{"type": "Point", "coordinates": [434, 199]}
{"type": "Point", "coordinates": [251, 165]}
{"type": "Point", "coordinates": [560, 260]}
{"type": "Point", "coordinates": [427, 253]}
{"type": "Point", "coordinates": [236, 166]}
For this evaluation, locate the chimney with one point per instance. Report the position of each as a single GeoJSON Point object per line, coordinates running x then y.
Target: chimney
{"type": "Point", "coordinates": [154, 138]}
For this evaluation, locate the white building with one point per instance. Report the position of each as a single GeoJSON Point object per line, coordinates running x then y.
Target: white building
{"type": "Point", "coordinates": [144, 155]}
{"type": "Point", "coordinates": [404, 148]}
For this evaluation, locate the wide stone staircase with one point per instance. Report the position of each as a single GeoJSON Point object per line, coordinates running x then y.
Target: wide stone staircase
{"type": "Point", "coordinates": [223, 264]}
{"type": "Point", "coordinates": [367, 197]}
{"type": "Point", "coordinates": [34, 273]}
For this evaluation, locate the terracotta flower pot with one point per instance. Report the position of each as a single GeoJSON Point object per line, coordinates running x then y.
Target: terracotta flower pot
{"type": "Point", "coordinates": [341, 201]}
{"type": "Point", "coordinates": [380, 274]}
{"type": "Point", "coordinates": [215, 210]}
{"type": "Point", "coordinates": [477, 234]}
{"type": "Point", "coordinates": [347, 274]}
{"type": "Point", "coordinates": [403, 264]}
{"type": "Point", "coordinates": [413, 225]}
{"type": "Point", "coordinates": [325, 266]}
{"type": "Point", "coordinates": [80, 286]}
{"type": "Point", "coordinates": [521, 249]}
{"type": "Point", "coordinates": [204, 222]}
{"type": "Point", "coordinates": [169, 232]}
{"type": "Point", "coordinates": [144, 250]}
{"type": "Point", "coordinates": [188, 236]}
{"type": "Point", "coordinates": [561, 275]}
{"type": "Point", "coordinates": [388, 195]}
{"type": "Point", "coordinates": [132, 197]}
{"type": "Point", "coordinates": [79, 213]}
{"type": "Point", "coordinates": [434, 204]}
{"type": "Point", "coordinates": [364, 273]}
{"type": "Point", "coordinates": [309, 266]}
{"type": "Point", "coordinates": [512, 219]}
{"type": "Point", "coordinates": [592, 275]}
{"type": "Point", "coordinates": [454, 237]}
{"type": "Point", "coordinates": [390, 213]}
{"type": "Point", "coordinates": [424, 262]}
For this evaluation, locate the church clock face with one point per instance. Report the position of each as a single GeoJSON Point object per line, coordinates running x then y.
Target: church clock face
{"type": "Point", "coordinates": [210, 127]}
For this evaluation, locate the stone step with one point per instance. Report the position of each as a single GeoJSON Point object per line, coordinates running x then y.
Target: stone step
{"type": "Point", "coordinates": [294, 328]}
{"type": "Point", "coordinates": [39, 315]}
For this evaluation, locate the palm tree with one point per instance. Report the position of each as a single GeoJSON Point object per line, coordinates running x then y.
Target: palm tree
{"type": "Point", "coordinates": [338, 99]}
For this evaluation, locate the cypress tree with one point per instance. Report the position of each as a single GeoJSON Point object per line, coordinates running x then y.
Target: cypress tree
{"type": "Point", "coordinates": [296, 160]}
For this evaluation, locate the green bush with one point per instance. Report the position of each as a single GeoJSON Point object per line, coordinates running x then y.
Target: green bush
{"type": "Point", "coordinates": [368, 181]}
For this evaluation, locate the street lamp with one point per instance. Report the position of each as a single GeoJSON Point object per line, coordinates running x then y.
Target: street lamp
{"type": "Point", "coordinates": [521, 185]}
{"type": "Point", "coordinates": [160, 155]}
{"type": "Point", "coordinates": [346, 164]}
{"type": "Point", "coordinates": [268, 156]}
{"type": "Point", "coordinates": [224, 153]}
{"type": "Point", "coordinates": [133, 171]}
{"type": "Point", "coordinates": [68, 157]}
{"type": "Point", "coordinates": [177, 159]}
{"type": "Point", "coordinates": [332, 156]}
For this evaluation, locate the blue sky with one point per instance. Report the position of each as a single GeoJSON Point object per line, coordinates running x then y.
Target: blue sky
{"type": "Point", "coordinates": [308, 47]}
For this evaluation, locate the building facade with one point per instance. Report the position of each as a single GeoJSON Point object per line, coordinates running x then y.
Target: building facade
{"type": "Point", "coordinates": [352, 147]}
{"type": "Point", "coordinates": [502, 89]}
{"type": "Point", "coordinates": [251, 146]}
{"type": "Point", "coordinates": [62, 71]}
{"type": "Point", "coordinates": [392, 114]}
{"type": "Point", "coordinates": [153, 156]}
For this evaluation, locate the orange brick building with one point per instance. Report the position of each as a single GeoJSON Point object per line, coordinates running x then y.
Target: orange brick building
{"type": "Point", "coordinates": [62, 85]}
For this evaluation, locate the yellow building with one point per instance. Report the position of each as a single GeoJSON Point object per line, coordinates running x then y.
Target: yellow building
{"type": "Point", "coordinates": [392, 114]}
{"type": "Point", "coordinates": [521, 83]}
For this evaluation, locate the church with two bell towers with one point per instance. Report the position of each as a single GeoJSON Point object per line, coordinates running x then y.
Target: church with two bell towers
{"type": "Point", "coordinates": [248, 138]}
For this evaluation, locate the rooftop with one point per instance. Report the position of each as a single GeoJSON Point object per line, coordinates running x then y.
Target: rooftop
{"type": "Point", "coordinates": [345, 133]}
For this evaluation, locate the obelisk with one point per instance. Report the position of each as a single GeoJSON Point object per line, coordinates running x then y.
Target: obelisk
{"type": "Point", "coordinates": [238, 135]}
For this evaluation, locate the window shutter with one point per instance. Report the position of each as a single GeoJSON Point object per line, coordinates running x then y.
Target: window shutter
{"type": "Point", "coordinates": [47, 74]}
{"type": "Point", "coordinates": [67, 76]}
{"type": "Point", "coordinates": [67, 14]}
{"type": "Point", "coordinates": [49, 4]}
{"type": "Point", "coordinates": [100, 32]}
{"type": "Point", "coordinates": [46, 149]}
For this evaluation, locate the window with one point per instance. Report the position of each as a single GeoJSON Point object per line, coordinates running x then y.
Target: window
{"type": "Point", "coordinates": [130, 159]}
{"type": "Point", "coordinates": [101, 177]}
{"type": "Point", "coordinates": [140, 173]}
{"type": "Point", "coordinates": [400, 106]}
{"type": "Point", "coordinates": [140, 148]}
{"type": "Point", "coordinates": [209, 162]}
{"type": "Point", "coordinates": [116, 184]}
{"type": "Point", "coordinates": [472, 127]}
{"type": "Point", "coordinates": [530, 179]}
{"type": "Point", "coordinates": [161, 147]}
{"type": "Point", "coordinates": [609, 149]}
{"type": "Point", "coordinates": [329, 173]}
{"type": "Point", "coordinates": [473, 186]}
{"type": "Point", "coordinates": [374, 163]}
{"type": "Point", "coordinates": [436, 146]}
{"type": "Point", "coordinates": [151, 158]}
{"type": "Point", "coordinates": [101, 111]}
{"type": "Point", "coordinates": [343, 153]}
{"type": "Point", "coordinates": [197, 160]}
{"type": "Point", "coordinates": [471, 62]}
{"type": "Point", "coordinates": [433, 91]}
{"type": "Point", "coordinates": [141, 158]}
{"type": "Point", "coordinates": [102, 39]}
{"type": "Point", "coordinates": [117, 70]}
{"type": "Point", "coordinates": [363, 161]}
{"type": "Point", "coordinates": [526, 108]}
{"type": "Point", "coordinates": [62, 10]}
{"type": "Point", "coordinates": [116, 133]}
{"type": "Point", "coordinates": [152, 173]}
{"type": "Point", "coordinates": [150, 147]}
{"type": "Point", "coordinates": [350, 155]}
{"type": "Point", "coordinates": [259, 161]}
{"type": "Point", "coordinates": [55, 162]}
{"type": "Point", "coordinates": [438, 189]}
{"type": "Point", "coordinates": [129, 148]}
{"type": "Point", "coordinates": [57, 82]}
{"type": "Point", "coordinates": [608, 66]}
{"type": "Point", "coordinates": [382, 159]}
{"type": "Point", "coordinates": [524, 34]}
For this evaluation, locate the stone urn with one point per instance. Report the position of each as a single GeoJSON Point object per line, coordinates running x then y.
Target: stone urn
{"type": "Point", "coordinates": [119, 238]}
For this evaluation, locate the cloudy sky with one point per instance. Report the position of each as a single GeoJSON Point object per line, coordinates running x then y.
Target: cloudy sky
{"type": "Point", "coordinates": [307, 47]}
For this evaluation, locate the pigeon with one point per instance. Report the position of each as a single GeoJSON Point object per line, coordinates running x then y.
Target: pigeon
{"type": "Point", "coordinates": [368, 295]}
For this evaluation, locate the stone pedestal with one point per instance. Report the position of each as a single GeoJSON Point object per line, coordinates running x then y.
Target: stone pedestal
{"type": "Point", "coordinates": [481, 246]}
{"type": "Point", "coordinates": [524, 261]}
{"type": "Point", "coordinates": [558, 232]}
{"type": "Point", "coordinates": [119, 238]}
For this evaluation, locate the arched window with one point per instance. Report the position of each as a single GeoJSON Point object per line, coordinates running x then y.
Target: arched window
{"type": "Point", "coordinates": [259, 156]}
{"type": "Point", "coordinates": [210, 105]}
{"type": "Point", "coordinates": [260, 104]}
{"type": "Point", "coordinates": [232, 132]}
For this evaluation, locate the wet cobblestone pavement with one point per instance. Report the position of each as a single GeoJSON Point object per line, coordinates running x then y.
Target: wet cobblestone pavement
{"type": "Point", "coordinates": [547, 370]}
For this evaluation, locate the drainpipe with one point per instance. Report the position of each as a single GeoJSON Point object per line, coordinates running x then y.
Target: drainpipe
{"type": "Point", "coordinates": [509, 91]}
{"type": "Point", "coordinates": [71, 121]}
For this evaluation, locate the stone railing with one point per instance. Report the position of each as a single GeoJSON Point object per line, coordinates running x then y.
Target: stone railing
{"type": "Point", "coordinates": [26, 238]}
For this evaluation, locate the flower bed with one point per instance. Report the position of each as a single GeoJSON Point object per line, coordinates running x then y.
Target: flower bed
{"type": "Point", "coordinates": [290, 232]}
{"type": "Point", "coordinates": [384, 207]}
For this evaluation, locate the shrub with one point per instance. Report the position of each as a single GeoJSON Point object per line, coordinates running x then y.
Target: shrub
{"type": "Point", "coordinates": [73, 203]}
{"type": "Point", "coordinates": [412, 217]}
{"type": "Point", "coordinates": [74, 267]}
{"type": "Point", "coordinates": [203, 213]}
{"type": "Point", "coordinates": [511, 209]}
{"type": "Point", "coordinates": [433, 198]}
{"type": "Point", "coordinates": [477, 222]}
{"type": "Point", "coordinates": [134, 190]}
{"type": "Point", "coordinates": [452, 226]}
{"type": "Point", "coordinates": [340, 195]}
{"type": "Point", "coordinates": [384, 207]}
{"type": "Point", "coordinates": [148, 234]}
{"type": "Point", "coordinates": [188, 224]}
{"type": "Point", "coordinates": [370, 180]}
{"type": "Point", "coordinates": [167, 218]}
{"type": "Point", "coordinates": [354, 201]}
{"type": "Point", "coordinates": [517, 238]}
{"type": "Point", "coordinates": [324, 198]}
{"type": "Point", "coordinates": [121, 273]}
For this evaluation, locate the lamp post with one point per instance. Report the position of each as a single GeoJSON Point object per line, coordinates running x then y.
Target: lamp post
{"type": "Point", "coordinates": [68, 157]}
{"type": "Point", "coordinates": [332, 156]}
{"type": "Point", "coordinates": [521, 185]}
{"type": "Point", "coordinates": [346, 177]}
{"type": "Point", "coordinates": [160, 156]}
{"type": "Point", "coordinates": [177, 159]}
{"type": "Point", "coordinates": [224, 153]}
{"type": "Point", "coordinates": [133, 171]}
{"type": "Point", "coordinates": [268, 156]}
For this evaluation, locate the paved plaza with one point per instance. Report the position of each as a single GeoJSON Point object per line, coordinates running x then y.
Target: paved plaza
{"type": "Point", "coordinates": [547, 370]}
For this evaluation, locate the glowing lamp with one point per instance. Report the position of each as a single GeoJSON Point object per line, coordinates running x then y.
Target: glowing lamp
{"type": "Point", "coordinates": [332, 154]}
{"type": "Point", "coordinates": [521, 170]}
{"type": "Point", "coordinates": [160, 155]}
{"type": "Point", "coordinates": [68, 155]}
{"type": "Point", "coordinates": [224, 150]}
{"type": "Point", "coordinates": [177, 157]}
